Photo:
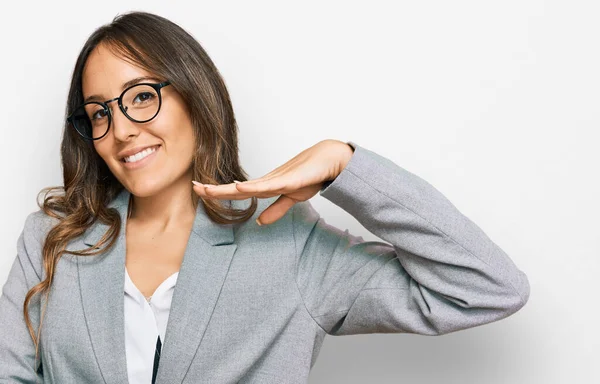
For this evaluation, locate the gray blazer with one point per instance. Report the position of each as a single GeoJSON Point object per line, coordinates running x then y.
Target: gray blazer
{"type": "Point", "coordinates": [253, 303]}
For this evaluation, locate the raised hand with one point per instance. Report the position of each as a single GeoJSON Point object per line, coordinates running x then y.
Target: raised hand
{"type": "Point", "coordinates": [299, 179]}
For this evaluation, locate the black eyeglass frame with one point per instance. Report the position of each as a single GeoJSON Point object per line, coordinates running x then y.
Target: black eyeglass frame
{"type": "Point", "coordinates": [156, 86]}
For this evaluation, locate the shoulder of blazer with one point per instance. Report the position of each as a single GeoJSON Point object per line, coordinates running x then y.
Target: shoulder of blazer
{"type": "Point", "coordinates": [36, 228]}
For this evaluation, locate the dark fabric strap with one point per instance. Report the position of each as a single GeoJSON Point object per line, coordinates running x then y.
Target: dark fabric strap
{"type": "Point", "coordinates": [156, 359]}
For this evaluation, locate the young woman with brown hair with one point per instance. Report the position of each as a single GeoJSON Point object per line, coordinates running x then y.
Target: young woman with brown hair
{"type": "Point", "coordinates": [137, 270]}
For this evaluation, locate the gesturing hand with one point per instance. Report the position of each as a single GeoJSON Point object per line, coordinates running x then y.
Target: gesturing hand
{"type": "Point", "coordinates": [297, 180]}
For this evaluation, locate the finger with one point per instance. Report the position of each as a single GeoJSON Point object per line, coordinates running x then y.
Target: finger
{"type": "Point", "coordinates": [218, 191]}
{"type": "Point", "coordinates": [276, 210]}
{"type": "Point", "coordinates": [275, 186]}
{"type": "Point", "coordinates": [226, 192]}
{"type": "Point", "coordinates": [275, 173]}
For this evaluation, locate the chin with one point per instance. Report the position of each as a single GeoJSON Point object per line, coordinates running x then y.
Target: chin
{"type": "Point", "coordinates": [144, 189]}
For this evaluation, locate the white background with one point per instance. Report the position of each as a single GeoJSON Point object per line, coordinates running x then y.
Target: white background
{"type": "Point", "coordinates": [495, 103]}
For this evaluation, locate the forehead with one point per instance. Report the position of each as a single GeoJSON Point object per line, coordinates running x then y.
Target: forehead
{"type": "Point", "coordinates": [104, 73]}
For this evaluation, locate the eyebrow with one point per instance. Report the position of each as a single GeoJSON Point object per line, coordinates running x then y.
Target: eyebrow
{"type": "Point", "coordinates": [125, 85]}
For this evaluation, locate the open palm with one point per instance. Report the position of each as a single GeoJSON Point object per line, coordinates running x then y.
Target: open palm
{"type": "Point", "coordinates": [297, 180]}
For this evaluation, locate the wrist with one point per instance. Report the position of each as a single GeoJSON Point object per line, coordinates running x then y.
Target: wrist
{"type": "Point", "coordinates": [346, 155]}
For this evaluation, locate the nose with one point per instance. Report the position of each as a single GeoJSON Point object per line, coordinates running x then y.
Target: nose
{"type": "Point", "coordinates": [122, 127]}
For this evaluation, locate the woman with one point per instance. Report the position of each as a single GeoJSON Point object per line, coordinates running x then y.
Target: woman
{"type": "Point", "coordinates": [139, 270]}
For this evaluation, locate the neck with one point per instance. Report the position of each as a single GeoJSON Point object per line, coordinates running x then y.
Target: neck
{"type": "Point", "coordinates": [168, 208]}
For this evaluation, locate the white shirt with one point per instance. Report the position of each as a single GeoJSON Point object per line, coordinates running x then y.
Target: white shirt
{"type": "Point", "coordinates": [145, 319]}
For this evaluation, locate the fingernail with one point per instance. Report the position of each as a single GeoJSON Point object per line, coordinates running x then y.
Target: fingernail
{"type": "Point", "coordinates": [236, 181]}
{"type": "Point", "coordinates": [196, 183]}
{"type": "Point", "coordinates": [258, 221]}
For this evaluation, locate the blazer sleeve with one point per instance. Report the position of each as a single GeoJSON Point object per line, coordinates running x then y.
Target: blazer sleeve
{"type": "Point", "coordinates": [17, 351]}
{"type": "Point", "coordinates": [437, 272]}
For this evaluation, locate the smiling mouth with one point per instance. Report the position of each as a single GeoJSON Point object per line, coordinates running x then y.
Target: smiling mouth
{"type": "Point", "coordinates": [140, 155]}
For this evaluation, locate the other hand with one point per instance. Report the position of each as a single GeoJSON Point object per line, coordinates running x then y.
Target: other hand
{"type": "Point", "coordinates": [297, 180]}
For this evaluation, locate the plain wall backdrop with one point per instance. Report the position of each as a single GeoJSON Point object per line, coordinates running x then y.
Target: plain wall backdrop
{"type": "Point", "coordinates": [496, 104]}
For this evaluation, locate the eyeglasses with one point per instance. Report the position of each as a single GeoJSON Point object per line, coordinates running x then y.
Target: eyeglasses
{"type": "Point", "coordinates": [140, 103]}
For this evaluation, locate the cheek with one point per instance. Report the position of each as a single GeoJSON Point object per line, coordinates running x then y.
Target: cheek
{"type": "Point", "coordinates": [103, 151]}
{"type": "Point", "coordinates": [181, 149]}
{"type": "Point", "coordinates": [191, 144]}
{"type": "Point", "coordinates": [182, 136]}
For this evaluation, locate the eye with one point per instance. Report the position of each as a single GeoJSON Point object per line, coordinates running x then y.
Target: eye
{"type": "Point", "coordinates": [98, 114]}
{"type": "Point", "coordinates": [143, 96]}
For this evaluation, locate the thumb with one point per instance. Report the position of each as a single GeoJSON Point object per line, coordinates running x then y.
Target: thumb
{"type": "Point", "coordinates": [276, 210]}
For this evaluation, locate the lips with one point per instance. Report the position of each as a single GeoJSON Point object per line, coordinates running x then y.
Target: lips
{"type": "Point", "coordinates": [137, 152]}
{"type": "Point", "coordinates": [142, 159]}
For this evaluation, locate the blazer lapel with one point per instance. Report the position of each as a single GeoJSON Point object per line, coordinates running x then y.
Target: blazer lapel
{"type": "Point", "coordinates": [101, 282]}
{"type": "Point", "coordinates": [205, 265]}
{"type": "Point", "coordinates": [206, 261]}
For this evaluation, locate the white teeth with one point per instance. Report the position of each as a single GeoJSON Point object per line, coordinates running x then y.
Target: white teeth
{"type": "Point", "coordinates": [140, 155]}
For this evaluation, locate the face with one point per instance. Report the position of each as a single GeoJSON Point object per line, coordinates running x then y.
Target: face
{"type": "Point", "coordinates": [169, 134]}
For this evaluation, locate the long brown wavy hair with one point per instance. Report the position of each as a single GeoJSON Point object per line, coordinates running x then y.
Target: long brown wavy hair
{"type": "Point", "coordinates": [165, 49]}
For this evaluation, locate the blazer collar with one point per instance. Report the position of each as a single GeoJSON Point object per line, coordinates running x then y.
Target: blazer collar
{"type": "Point", "coordinates": [206, 261]}
{"type": "Point", "coordinates": [211, 232]}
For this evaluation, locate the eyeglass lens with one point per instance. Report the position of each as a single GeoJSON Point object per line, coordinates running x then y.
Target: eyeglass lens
{"type": "Point", "coordinates": [141, 103]}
